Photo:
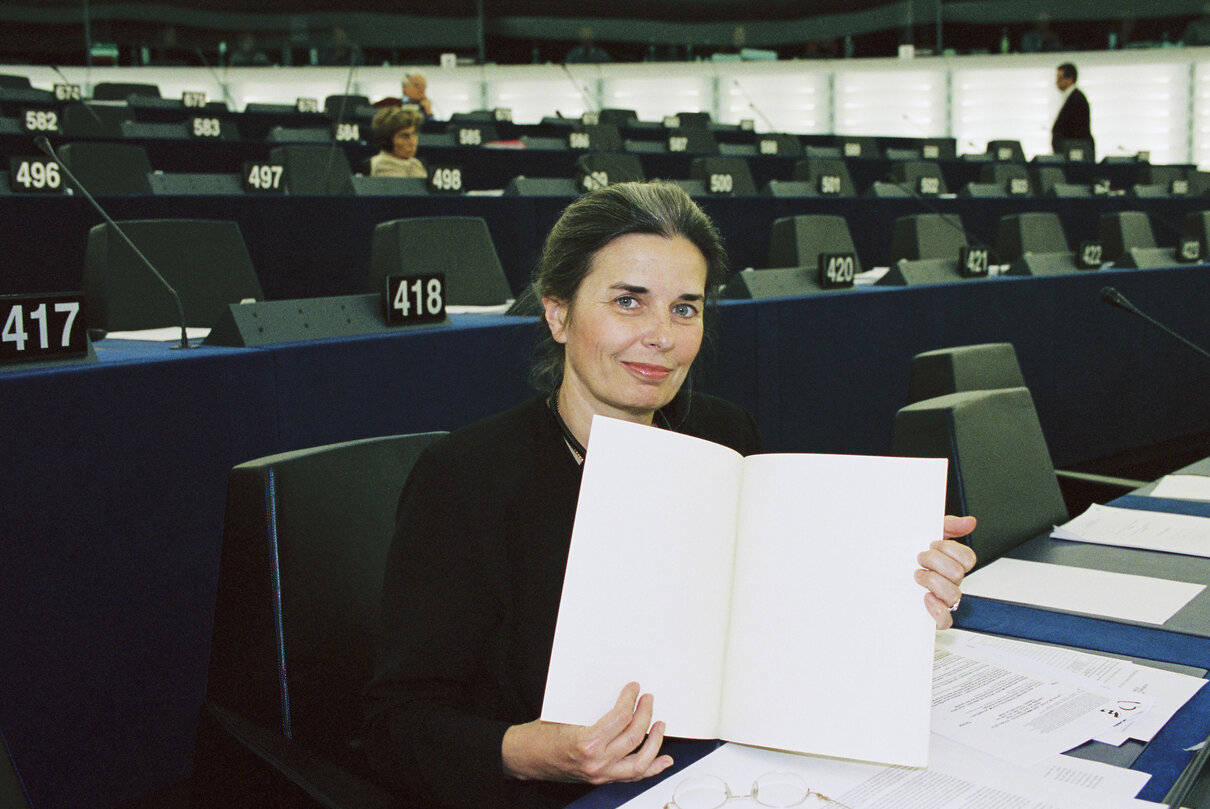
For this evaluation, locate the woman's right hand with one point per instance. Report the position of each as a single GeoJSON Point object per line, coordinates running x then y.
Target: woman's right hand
{"type": "Point", "coordinates": [613, 749]}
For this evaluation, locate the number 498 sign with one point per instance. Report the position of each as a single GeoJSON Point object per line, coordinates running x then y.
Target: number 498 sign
{"type": "Point", "coordinates": [412, 299]}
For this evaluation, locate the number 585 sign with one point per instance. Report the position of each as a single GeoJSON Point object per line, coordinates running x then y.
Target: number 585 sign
{"type": "Point", "coordinates": [411, 299]}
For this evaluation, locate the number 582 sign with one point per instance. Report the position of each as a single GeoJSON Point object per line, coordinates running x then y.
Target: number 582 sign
{"type": "Point", "coordinates": [412, 299]}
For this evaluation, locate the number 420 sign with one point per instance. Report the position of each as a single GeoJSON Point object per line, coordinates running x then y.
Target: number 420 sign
{"type": "Point", "coordinates": [410, 299]}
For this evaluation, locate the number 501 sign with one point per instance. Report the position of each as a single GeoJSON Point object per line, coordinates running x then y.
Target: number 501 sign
{"type": "Point", "coordinates": [412, 299]}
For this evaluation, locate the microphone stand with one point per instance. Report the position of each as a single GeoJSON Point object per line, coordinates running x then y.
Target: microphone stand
{"type": "Point", "coordinates": [42, 143]}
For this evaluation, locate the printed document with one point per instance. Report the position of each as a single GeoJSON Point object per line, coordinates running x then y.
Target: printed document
{"type": "Point", "coordinates": [1021, 714]}
{"type": "Point", "coordinates": [1132, 528]}
{"type": "Point", "coordinates": [768, 600]}
{"type": "Point", "coordinates": [956, 778]}
{"type": "Point", "coordinates": [1169, 690]}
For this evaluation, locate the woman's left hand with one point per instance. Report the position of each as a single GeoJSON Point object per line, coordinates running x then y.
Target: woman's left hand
{"type": "Point", "coordinates": [942, 567]}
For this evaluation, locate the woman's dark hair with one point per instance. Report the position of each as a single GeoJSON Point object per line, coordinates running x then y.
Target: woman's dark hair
{"type": "Point", "coordinates": [595, 220]}
{"type": "Point", "coordinates": [389, 120]}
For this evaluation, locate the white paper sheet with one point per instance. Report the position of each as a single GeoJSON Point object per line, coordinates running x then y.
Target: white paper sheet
{"type": "Point", "coordinates": [957, 778]}
{"type": "Point", "coordinates": [1183, 487]}
{"type": "Point", "coordinates": [167, 334]}
{"type": "Point", "coordinates": [1167, 690]}
{"type": "Point", "coordinates": [1076, 589]}
{"type": "Point", "coordinates": [1132, 528]}
{"type": "Point", "coordinates": [648, 594]}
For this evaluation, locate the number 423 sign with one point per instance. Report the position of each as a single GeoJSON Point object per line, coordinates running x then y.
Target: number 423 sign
{"type": "Point", "coordinates": [410, 299]}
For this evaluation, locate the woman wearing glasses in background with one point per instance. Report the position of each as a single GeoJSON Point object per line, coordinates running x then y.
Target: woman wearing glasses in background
{"type": "Point", "coordinates": [476, 569]}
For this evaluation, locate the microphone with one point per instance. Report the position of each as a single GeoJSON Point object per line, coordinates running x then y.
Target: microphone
{"type": "Point", "coordinates": [42, 143]}
{"type": "Point", "coordinates": [83, 103]}
{"type": "Point", "coordinates": [583, 93]}
{"type": "Point", "coordinates": [1114, 298]}
{"type": "Point", "coordinates": [752, 105]}
{"type": "Point", "coordinates": [222, 85]}
{"type": "Point", "coordinates": [340, 116]}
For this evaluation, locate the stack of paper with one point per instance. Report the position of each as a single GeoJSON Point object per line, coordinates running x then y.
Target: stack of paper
{"type": "Point", "coordinates": [1002, 710]}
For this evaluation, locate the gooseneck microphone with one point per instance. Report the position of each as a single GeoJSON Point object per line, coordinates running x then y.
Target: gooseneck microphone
{"type": "Point", "coordinates": [1115, 298]}
{"type": "Point", "coordinates": [42, 143]}
{"type": "Point", "coordinates": [588, 102]}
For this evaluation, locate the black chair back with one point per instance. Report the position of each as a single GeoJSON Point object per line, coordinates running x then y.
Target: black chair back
{"type": "Point", "coordinates": [1000, 468]}
{"type": "Point", "coordinates": [12, 790]}
{"type": "Point", "coordinates": [109, 168]}
{"type": "Point", "coordinates": [459, 246]}
{"type": "Point", "coordinates": [927, 235]}
{"type": "Point", "coordinates": [206, 261]}
{"type": "Point", "coordinates": [985, 366]}
{"type": "Point", "coordinates": [319, 170]}
{"type": "Point", "coordinates": [305, 542]}
{"type": "Point", "coordinates": [797, 241]}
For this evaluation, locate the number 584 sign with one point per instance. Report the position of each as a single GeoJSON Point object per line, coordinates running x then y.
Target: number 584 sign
{"type": "Point", "coordinates": [412, 299]}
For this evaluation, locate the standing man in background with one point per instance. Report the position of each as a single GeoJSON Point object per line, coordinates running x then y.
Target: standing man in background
{"type": "Point", "coordinates": [1074, 119]}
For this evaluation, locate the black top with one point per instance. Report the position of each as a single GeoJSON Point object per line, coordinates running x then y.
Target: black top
{"type": "Point", "coordinates": [471, 595]}
{"type": "Point", "coordinates": [1073, 121]}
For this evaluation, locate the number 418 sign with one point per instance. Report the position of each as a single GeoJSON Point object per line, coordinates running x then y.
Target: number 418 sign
{"type": "Point", "coordinates": [412, 299]}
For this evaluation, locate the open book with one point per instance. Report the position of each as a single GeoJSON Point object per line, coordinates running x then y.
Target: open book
{"type": "Point", "coordinates": [766, 600]}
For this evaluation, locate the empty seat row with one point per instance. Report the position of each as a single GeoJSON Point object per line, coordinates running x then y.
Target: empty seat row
{"type": "Point", "coordinates": [934, 248]}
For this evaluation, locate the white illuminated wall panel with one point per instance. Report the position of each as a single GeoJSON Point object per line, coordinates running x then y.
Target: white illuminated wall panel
{"type": "Point", "coordinates": [1140, 107]}
{"type": "Point", "coordinates": [533, 94]}
{"type": "Point", "coordinates": [1201, 114]}
{"type": "Point", "coordinates": [891, 97]}
{"type": "Point", "coordinates": [778, 97]}
{"type": "Point", "coordinates": [1004, 103]}
{"type": "Point", "coordinates": [656, 90]}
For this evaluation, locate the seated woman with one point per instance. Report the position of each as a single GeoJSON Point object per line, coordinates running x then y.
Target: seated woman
{"type": "Point", "coordinates": [395, 130]}
{"type": "Point", "coordinates": [475, 572]}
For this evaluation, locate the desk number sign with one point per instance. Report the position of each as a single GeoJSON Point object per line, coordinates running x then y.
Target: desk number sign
{"type": "Point", "coordinates": [1188, 251]}
{"type": "Point", "coordinates": [34, 175]}
{"type": "Point", "coordinates": [42, 327]}
{"type": "Point", "coordinates": [68, 92]}
{"type": "Point", "coordinates": [973, 262]}
{"type": "Point", "coordinates": [264, 178]}
{"type": "Point", "coordinates": [410, 299]}
{"type": "Point", "coordinates": [836, 270]}
{"type": "Point", "coordinates": [1088, 257]}
{"type": "Point", "coordinates": [446, 180]}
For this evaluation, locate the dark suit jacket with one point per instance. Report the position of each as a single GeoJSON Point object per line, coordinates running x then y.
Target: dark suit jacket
{"type": "Point", "coordinates": [1072, 122]}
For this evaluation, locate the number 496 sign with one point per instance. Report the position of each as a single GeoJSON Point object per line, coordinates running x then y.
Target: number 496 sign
{"type": "Point", "coordinates": [412, 299]}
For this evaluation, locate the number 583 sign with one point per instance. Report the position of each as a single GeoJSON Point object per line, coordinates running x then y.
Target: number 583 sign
{"type": "Point", "coordinates": [410, 299]}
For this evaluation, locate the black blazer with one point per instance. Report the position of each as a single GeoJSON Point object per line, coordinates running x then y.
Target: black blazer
{"type": "Point", "coordinates": [1072, 122]}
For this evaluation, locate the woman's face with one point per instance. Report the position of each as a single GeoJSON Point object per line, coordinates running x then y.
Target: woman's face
{"type": "Point", "coordinates": [403, 143]}
{"type": "Point", "coordinates": [634, 327]}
